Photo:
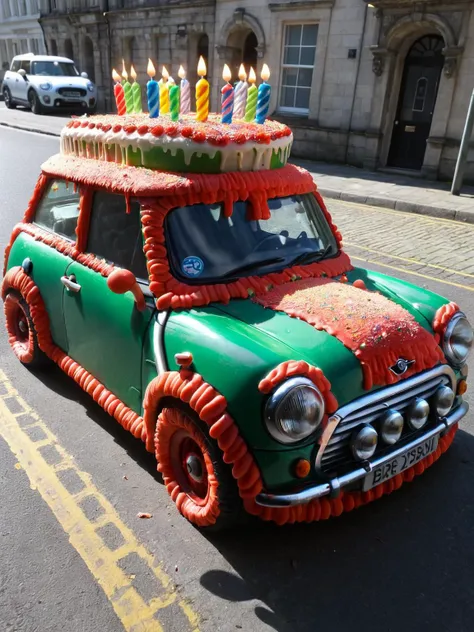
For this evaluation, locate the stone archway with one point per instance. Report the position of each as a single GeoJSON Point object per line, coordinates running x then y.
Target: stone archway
{"type": "Point", "coordinates": [242, 40]}
{"type": "Point", "coordinates": [88, 56]}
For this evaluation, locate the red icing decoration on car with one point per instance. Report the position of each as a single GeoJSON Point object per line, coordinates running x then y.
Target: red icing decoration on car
{"type": "Point", "coordinates": [375, 329]}
{"type": "Point", "coordinates": [442, 318]}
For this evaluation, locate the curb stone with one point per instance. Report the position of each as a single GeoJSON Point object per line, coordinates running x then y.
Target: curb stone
{"type": "Point", "coordinates": [35, 130]}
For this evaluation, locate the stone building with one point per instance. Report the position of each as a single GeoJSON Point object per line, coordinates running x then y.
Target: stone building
{"type": "Point", "coordinates": [384, 84]}
{"type": "Point", "coordinates": [20, 31]}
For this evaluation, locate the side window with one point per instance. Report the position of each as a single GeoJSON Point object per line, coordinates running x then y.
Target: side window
{"type": "Point", "coordinates": [59, 209]}
{"type": "Point", "coordinates": [26, 65]}
{"type": "Point", "coordinates": [115, 235]}
{"type": "Point", "coordinates": [15, 65]}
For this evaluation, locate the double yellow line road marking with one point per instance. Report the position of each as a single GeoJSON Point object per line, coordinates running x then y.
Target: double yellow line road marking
{"type": "Point", "coordinates": [19, 429]}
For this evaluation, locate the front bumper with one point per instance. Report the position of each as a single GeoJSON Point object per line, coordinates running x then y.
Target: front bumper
{"type": "Point", "coordinates": [335, 485]}
{"type": "Point", "coordinates": [52, 99]}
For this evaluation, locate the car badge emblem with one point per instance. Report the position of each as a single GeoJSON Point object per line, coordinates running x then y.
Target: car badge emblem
{"type": "Point", "coordinates": [401, 366]}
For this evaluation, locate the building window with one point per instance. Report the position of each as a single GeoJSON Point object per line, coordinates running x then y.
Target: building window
{"type": "Point", "coordinates": [299, 51]}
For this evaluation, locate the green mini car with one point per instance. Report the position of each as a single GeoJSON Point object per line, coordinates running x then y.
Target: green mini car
{"type": "Point", "coordinates": [194, 284]}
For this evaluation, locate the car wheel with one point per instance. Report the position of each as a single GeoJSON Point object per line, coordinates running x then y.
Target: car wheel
{"type": "Point", "coordinates": [22, 334]}
{"type": "Point", "coordinates": [34, 102]}
{"type": "Point", "coordinates": [8, 99]}
{"type": "Point", "coordinates": [196, 477]}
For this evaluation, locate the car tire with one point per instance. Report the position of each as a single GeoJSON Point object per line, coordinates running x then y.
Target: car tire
{"type": "Point", "coordinates": [35, 104]}
{"type": "Point", "coordinates": [21, 330]}
{"type": "Point", "coordinates": [197, 479]}
{"type": "Point", "coordinates": [7, 96]}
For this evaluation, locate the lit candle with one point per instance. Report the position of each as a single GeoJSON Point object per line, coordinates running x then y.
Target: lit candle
{"type": "Point", "coordinates": [152, 91]}
{"type": "Point", "coordinates": [227, 96]}
{"type": "Point", "coordinates": [136, 92]}
{"type": "Point", "coordinates": [241, 90]}
{"type": "Point", "coordinates": [263, 99]}
{"type": "Point", "coordinates": [119, 94]}
{"type": "Point", "coordinates": [174, 102]}
{"type": "Point", "coordinates": [251, 107]}
{"type": "Point", "coordinates": [164, 92]}
{"type": "Point", "coordinates": [202, 93]}
{"type": "Point", "coordinates": [185, 93]}
{"type": "Point", "coordinates": [127, 88]}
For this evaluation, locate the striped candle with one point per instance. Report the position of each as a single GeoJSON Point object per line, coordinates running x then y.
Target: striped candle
{"type": "Point", "coordinates": [185, 93]}
{"type": "Point", "coordinates": [164, 92]}
{"type": "Point", "coordinates": [152, 92]}
{"type": "Point", "coordinates": [202, 93]}
{"type": "Point", "coordinates": [136, 92]}
{"type": "Point", "coordinates": [174, 102]}
{"type": "Point", "coordinates": [240, 97]}
{"type": "Point", "coordinates": [118, 94]}
{"type": "Point", "coordinates": [251, 107]}
{"type": "Point", "coordinates": [227, 96]}
{"type": "Point", "coordinates": [127, 89]}
{"type": "Point", "coordinates": [263, 97]}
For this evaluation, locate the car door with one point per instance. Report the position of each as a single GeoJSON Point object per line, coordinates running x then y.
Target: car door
{"type": "Point", "coordinates": [56, 216]}
{"type": "Point", "coordinates": [15, 78]}
{"type": "Point", "coordinates": [105, 331]}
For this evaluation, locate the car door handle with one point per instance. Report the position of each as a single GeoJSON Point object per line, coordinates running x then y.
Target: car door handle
{"type": "Point", "coordinates": [70, 283]}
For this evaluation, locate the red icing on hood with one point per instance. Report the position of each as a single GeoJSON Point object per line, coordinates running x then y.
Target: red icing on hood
{"type": "Point", "coordinates": [378, 331]}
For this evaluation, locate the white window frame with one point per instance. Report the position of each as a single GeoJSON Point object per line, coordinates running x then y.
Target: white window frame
{"type": "Point", "coordinates": [282, 108]}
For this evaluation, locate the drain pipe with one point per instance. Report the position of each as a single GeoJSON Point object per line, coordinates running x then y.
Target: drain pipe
{"type": "Point", "coordinates": [359, 61]}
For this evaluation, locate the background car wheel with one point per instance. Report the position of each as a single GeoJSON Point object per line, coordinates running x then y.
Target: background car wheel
{"type": "Point", "coordinates": [22, 333]}
{"type": "Point", "coordinates": [34, 102]}
{"type": "Point", "coordinates": [197, 479]}
{"type": "Point", "coordinates": [8, 99]}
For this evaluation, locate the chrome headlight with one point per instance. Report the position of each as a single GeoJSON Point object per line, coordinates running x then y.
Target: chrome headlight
{"type": "Point", "coordinates": [46, 86]}
{"type": "Point", "coordinates": [294, 411]}
{"type": "Point", "coordinates": [90, 86]}
{"type": "Point", "coordinates": [457, 340]}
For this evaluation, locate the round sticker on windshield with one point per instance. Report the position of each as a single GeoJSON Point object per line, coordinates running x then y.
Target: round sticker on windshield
{"type": "Point", "coordinates": [192, 266]}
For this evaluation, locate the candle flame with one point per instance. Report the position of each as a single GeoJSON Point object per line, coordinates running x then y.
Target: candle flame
{"type": "Point", "coordinates": [252, 75]}
{"type": "Point", "coordinates": [202, 70]}
{"type": "Point", "coordinates": [133, 74]}
{"type": "Point", "coordinates": [265, 74]}
{"type": "Point", "coordinates": [182, 73]}
{"type": "Point", "coordinates": [124, 71]}
{"type": "Point", "coordinates": [242, 73]}
{"type": "Point", "coordinates": [226, 74]}
{"type": "Point", "coordinates": [165, 74]}
{"type": "Point", "coordinates": [115, 75]}
{"type": "Point", "coordinates": [150, 70]}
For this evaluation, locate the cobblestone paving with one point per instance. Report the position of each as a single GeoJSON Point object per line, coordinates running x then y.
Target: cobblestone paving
{"type": "Point", "coordinates": [429, 247]}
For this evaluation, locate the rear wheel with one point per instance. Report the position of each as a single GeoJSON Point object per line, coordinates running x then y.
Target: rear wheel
{"type": "Point", "coordinates": [7, 96]}
{"type": "Point", "coordinates": [21, 332]}
{"type": "Point", "coordinates": [34, 102]}
{"type": "Point", "coordinates": [197, 479]}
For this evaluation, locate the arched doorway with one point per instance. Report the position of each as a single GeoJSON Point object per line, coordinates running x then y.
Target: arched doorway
{"type": "Point", "coordinates": [68, 49]}
{"type": "Point", "coordinates": [242, 48]}
{"type": "Point", "coordinates": [249, 56]}
{"type": "Point", "coordinates": [89, 58]}
{"type": "Point", "coordinates": [416, 103]}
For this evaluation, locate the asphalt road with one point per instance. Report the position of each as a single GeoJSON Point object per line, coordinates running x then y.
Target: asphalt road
{"type": "Point", "coordinates": [23, 118]}
{"type": "Point", "coordinates": [404, 563]}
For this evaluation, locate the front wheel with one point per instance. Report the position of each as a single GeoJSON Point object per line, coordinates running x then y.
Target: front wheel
{"type": "Point", "coordinates": [197, 479]}
{"type": "Point", "coordinates": [7, 96]}
{"type": "Point", "coordinates": [22, 334]}
{"type": "Point", "coordinates": [34, 102]}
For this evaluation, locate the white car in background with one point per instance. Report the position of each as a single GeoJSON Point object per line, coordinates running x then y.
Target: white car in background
{"type": "Point", "coordinates": [46, 83]}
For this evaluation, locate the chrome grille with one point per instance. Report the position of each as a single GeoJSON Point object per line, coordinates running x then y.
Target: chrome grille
{"type": "Point", "coordinates": [335, 454]}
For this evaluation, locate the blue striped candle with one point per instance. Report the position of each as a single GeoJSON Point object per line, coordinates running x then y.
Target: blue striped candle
{"type": "Point", "coordinates": [152, 92]}
{"type": "Point", "coordinates": [263, 97]}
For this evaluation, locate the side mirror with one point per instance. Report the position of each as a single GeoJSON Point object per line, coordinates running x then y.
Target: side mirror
{"type": "Point", "coordinates": [84, 75]}
{"type": "Point", "coordinates": [120, 281]}
{"type": "Point", "coordinates": [23, 74]}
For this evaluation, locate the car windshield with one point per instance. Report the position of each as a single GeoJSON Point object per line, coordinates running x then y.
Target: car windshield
{"type": "Point", "coordinates": [54, 69]}
{"type": "Point", "coordinates": [204, 245]}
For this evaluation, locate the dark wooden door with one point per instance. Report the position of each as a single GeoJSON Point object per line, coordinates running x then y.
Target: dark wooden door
{"type": "Point", "coordinates": [416, 103]}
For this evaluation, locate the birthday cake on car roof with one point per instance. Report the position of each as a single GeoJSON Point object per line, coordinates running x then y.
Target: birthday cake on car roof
{"type": "Point", "coordinates": [171, 138]}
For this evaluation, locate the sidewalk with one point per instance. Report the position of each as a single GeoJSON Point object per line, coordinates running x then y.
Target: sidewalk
{"type": "Point", "coordinates": [391, 190]}
{"type": "Point", "coordinates": [342, 182]}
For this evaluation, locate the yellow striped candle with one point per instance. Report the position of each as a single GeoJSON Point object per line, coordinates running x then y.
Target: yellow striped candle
{"type": "Point", "coordinates": [164, 92]}
{"type": "Point", "coordinates": [202, 93]}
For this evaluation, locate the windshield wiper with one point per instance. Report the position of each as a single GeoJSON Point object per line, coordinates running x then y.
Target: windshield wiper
{"type": "Point", "coordinates": [246, 267]}
{"type": "Point", "coordinates": [311, 257]}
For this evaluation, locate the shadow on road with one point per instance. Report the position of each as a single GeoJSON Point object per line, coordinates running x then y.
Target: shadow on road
{"type": "Point", "coordinates": [404, 563]}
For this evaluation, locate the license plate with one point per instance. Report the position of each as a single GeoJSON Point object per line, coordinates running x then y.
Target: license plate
{"type": "Point", "coordinates": [400, 463]}
{"type": "Point", "coordinates": [71, 94]}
